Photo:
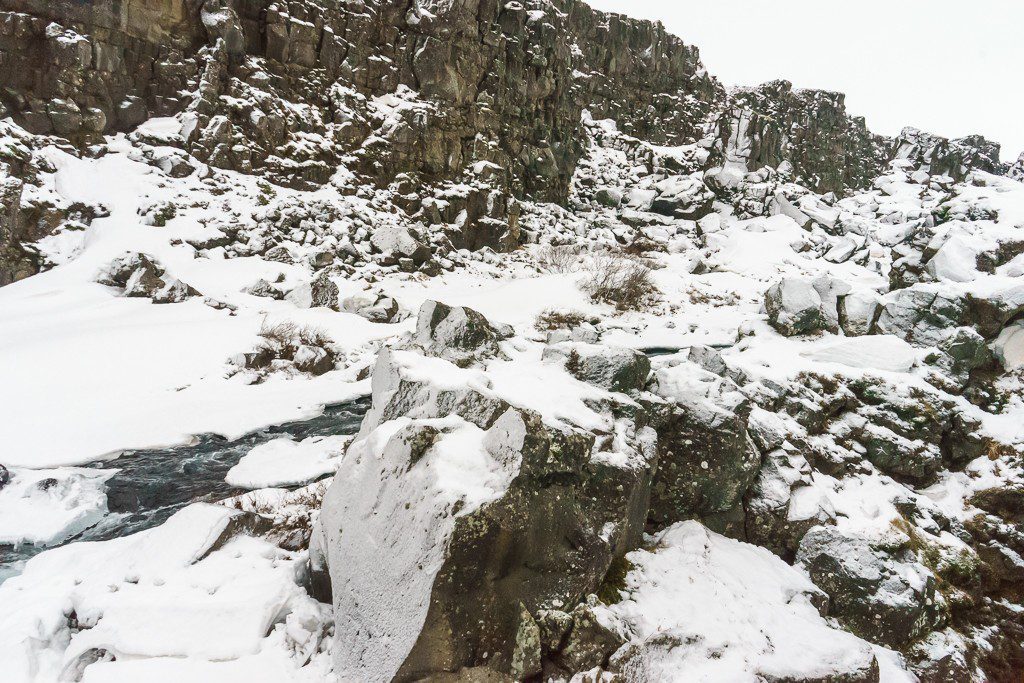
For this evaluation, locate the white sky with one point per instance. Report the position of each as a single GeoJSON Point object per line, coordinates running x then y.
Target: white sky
{"type": "Point", "coordinates": [951, 67]}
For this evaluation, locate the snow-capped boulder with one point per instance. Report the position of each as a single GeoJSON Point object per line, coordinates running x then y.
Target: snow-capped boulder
{"type": "Point", "coordinates": [456, 333]}
{"type": "Point", "coordinates": [858, 312]}
{"type": "Point", "coordinates": [470, 505]}
{"type": "Point", "coordinates": [611, 367]}
{"type": "Point", "coordinates": [920, 316]}
{"type": "Point", "coordinates": [1009, 346]}
{"type": "Point", "coordinates": [139, 275]}
{"type": "Point", "coordinates": [397, 242]}
{"type": "Point", "coordinates": [374, 306]}
{"type": "Point", "coordinates": [697, 601]}
{"type": "Point", "coordinates": [262, 288]}
{"type": "Point", "coordinates": [877, 589]}
{"type": "Point", "coordinates": [320, 292]}
{"type": "Point", "coordinates": [683, 197]}
{"type": "Point", "coordinates": [795, 307]}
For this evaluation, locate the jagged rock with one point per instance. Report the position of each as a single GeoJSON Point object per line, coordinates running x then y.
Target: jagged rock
{"type": "Point", "coordinates": [398, 242]}
{"type": "Point", "coordinates": [610, 367]}
{"type": "Point", "coordinates": [264, 289]}
{"type": "Point", "coordinates": [683, 197]}
{"type": "Point", "coordinates": [456, 333]}
{"type": "Point", "coordinates": [554, 627]}
{"type": "Point", "coordinates": [526, 655]}
{"type": "Point", "coordinates": [939, 156]}
{"type": "Point", "coordinates": [375, 307]}
{"type": "Point", "coordinates": [313, 359]}
{"type": "Point", "coordinates": [5, 476]}
{"type": "Point", "coordinates": [706, 459]}
{"type": "Point", "coordinates": [920, 317]}
{"type": "Point", "coordinates": [827, 149]}
{"type": "Point", "coordinates": [963, 352]}
{"type": "Point", "coordinates": [590, 641]}
{"type": "Point", "coordinates": [140, 276]}
{"type": "Point", "coordinates": [15, 263]}
{"type": "Point", "coordinates": [1006, 501]}
{"type": "Point", "coordinates": [279, 254]}
{"type": "Point", "coordinates": [460, 588]}
{"type": "Point", "coordinates": [857, 313]}
{"type": "Point", "coordinates": [795, 307]}
{"type": "Point", "coordinates": [1016, 171]}
{"type": "Point", "coordinates": [711, 360]}
{"type": "Point", "coordinates": [881, 594]}
{"type": "Point", "coordinates": [940, 657]}
{"type": "Point", "coordinates": [222, 23]}
{"type": "Point", "coordinates": [320, 292]}
{"type": "Point", "coordinates": [608, 196]}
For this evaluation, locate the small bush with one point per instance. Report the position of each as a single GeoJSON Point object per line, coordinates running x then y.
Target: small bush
{"type": "Point", "coordinates": [289, 347]}
{"type": "Point", "coordinates": [558, 320]}
{"type": "Point", "coordinates": [620, 280]}
{"type": "Point", "coordinates": [284, 339]}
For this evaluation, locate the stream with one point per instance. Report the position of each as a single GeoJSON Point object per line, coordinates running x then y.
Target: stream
{"type": "Point", "coordinates": [151, 485]}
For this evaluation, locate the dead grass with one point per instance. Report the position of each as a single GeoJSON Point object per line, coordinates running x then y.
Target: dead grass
{"type": "Point", "coordinates": [621, 280]}
{"type": "Point", "coordinates": [552, 319]}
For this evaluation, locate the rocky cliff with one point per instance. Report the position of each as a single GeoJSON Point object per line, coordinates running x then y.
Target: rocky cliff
{"type": "Point", "coordinates": [665, 378]}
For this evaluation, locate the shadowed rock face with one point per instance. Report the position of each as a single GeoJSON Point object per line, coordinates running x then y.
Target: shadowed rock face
{"type": "Point", "coordinates": [81, 68]}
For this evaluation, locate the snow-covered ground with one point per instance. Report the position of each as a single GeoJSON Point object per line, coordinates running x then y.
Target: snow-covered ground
{"type": "Point", "coordinates": [89, 373]}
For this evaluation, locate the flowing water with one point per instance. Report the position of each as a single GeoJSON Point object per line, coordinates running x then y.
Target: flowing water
{"type": "Point", "coordinates": [151, 485]}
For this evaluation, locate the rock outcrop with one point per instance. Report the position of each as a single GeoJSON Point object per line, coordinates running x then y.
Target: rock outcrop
{"type": "Point", "coordinates": [533, 522]}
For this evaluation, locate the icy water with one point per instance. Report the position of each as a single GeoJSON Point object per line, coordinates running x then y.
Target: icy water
{"type": "Point", "coordinates": [151, 485]}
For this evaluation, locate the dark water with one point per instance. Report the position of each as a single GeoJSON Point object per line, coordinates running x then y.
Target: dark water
{"type": "Point", "coordinates": [654, 351]}
{"type": "Point", "coordinates": [152, 485]}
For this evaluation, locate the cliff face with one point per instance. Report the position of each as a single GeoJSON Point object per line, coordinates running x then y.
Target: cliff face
{"type": "Point", "coordinates": [421, 96]}
{"type": "Point", "coordinates": [508, 80]}
{"type": "Point", "coordinates": [499, 82]}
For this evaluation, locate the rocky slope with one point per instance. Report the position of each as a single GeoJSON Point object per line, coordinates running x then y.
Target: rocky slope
{"type": "Point", "coordinates": [667, 381]}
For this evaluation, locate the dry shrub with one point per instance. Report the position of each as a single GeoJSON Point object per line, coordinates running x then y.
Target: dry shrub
{"type": "Point", "coordinates": [566, 258]}
{"type": "Point", "coordinates": [283, 339]}
{"type": "Point", "coordinates": [558, 320]}
{"type": "Point", "coordinates": [621, 280]}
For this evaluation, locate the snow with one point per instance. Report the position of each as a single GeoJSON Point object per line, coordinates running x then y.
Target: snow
{"type": "Point", "coordinates": [734, 612]}
{"type": "Point", "coordinates": [164, 592]}
{"type": "Point", "coordinates": [1009, 346]}
{"type": "Point", "coordinates": [877, 352]}
{"type": "Point", "coordinates": [286, 462]}
{"type": "Point", "coordinates": [131, 374]}
{"type": "Point", "coordinates": [50, 505]}
{"type": "Point", "coordinates": [90, 373]}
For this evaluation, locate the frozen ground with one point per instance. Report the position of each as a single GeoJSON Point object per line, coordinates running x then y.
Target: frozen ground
{"type": "Point", "coordinates": [89, 373]}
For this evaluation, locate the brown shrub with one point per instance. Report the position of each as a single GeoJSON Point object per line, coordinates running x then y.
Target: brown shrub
{"type": "Point", "coordinates": [621, 280]}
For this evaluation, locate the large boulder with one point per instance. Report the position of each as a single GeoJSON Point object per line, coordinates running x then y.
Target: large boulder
{"type": "Point", "coordinates": [797, 306]}
{"type": "Point", "coordinates": [456, 333]}
{"type": "Point", "coordinates": [921, 316]}
{"type": "Point", "coordinates": [706, 459]}
{"type": "Point", "coordinates": [858, 312]}
{"type": "Point", "coordinates": [398, 242]}
{"type": "Point", "coordinates": [614, 368]}
{"type": "Point", "coordinates": [376, 307]}
{"type": "Point", "coordinates": [683, 197]}
{"type": "Point", "coordinates": [139, 275]}
{"type": "Point", "coordinates": [877, 588]}
{"type": "Point", "coordinates": [456, 519]}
